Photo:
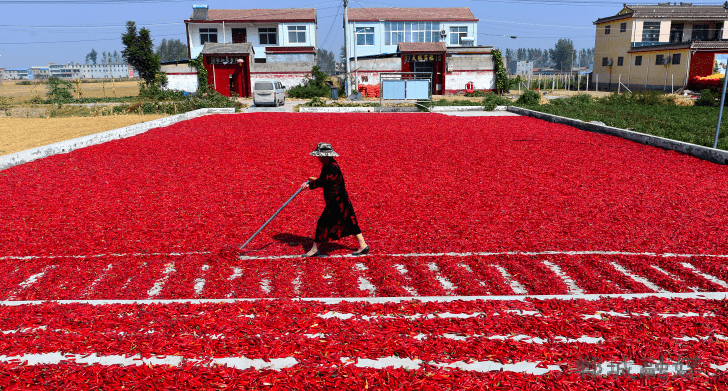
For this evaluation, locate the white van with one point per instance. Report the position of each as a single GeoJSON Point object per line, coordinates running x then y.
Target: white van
{"type": "Point", "coordinates": [269, 92]}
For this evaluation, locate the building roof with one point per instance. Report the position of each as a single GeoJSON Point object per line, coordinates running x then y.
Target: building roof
{"type": "Point", "coordinates": [259, 15]}
{"type": "Point", "coordinates": [667, 11]}
{"type": "Point", "coordinates": [228, 48]}
{"type": "Point", "coordinates": [422, 47]}
{"type": "Point", "coordinates": [411, 14]}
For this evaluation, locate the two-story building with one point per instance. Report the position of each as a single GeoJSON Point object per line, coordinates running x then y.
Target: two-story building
{"type": "Point", "coordinates": [437, 41]}
{"type": "Point", "coordinates": [662, 46]}
{"type": "Point", "coordinates": [240, 46]}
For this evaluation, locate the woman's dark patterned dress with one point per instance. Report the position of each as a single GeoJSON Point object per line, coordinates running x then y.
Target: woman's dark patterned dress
{"type": "Point", "coordinates": [338, 219]}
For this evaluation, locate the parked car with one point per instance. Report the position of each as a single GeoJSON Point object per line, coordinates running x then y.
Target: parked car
{"type": "Point", "coordinates": [269, 92]}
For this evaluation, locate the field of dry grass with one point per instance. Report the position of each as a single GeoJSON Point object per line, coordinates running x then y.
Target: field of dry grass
{"type": "Point", "coordinates": [21, 93]}
{"type": "Point", "coordinates": [19, 134]}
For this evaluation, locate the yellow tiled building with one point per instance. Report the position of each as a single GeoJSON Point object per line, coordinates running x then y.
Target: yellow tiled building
{"type": "Point", "coordinates": [663, 47]}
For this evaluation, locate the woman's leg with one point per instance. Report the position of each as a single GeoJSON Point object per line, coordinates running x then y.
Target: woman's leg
{"type": "Point", "coordinates": [362, 243]}
{"type": "Point", "coordinates": [314, 249]}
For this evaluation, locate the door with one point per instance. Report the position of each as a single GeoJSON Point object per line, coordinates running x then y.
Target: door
{"type": "Point", "coordinates": [427, 67]}
{"type": "Point", "coordinates": [239, 36]}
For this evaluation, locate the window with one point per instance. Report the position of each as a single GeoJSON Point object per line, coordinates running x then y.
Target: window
{"type": "Point", "coordinates": [208, 35]}
{"type": "Point", "coordinates": [268, 36]}
{"type": "Point", "coordinates": [659, 59]}
{"type": "Point", "coordinates": [365, 36]}
{"type": "Point", "coordinates": [622, 27]}
{"type": "Point", "coordinates": [396, 32]}
{"type": "Point", "coordinates": [676, 32]}
{"type": "Point", "coordinates": [605, 61]}
{"type": "Point", "coordinates": [700, 32]}
{"type": "Point", "coordinates": [259, 60]}
{"type": "Point", "coordinates": [296, 34]}
{"type": "Point", "coordinates": [620, 61]}
{"type": "Point", "coordinates": [638, 60]}
{"type": "Point", "coordinates": [651, 32]}
{"type": "Point", "coordinates": [607, 29]}
{"type": "Point", "coordinates": [457, 34]}
{"type": "Point", "coordinates": [676, 59]}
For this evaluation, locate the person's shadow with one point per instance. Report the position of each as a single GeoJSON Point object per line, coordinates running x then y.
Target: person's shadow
{"type": "Point", "coordinates": [305, 243]}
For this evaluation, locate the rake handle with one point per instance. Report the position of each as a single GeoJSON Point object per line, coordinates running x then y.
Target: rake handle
{"type": "Point", "coordinates": [272, 217]}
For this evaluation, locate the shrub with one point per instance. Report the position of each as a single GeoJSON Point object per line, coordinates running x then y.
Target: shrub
{"type": "Point", "coordinates": [477, 94]}
{"type": "Point", "coordinates": [59, 89]}
{"type": "Point", "coordinates": [492, 100]}
{"type": "Point", "coordinates": [529, 97]}
{"type": "Point", "coordinates": [314, 86]}
{"type": "Point", "coordinates": [707, 98]}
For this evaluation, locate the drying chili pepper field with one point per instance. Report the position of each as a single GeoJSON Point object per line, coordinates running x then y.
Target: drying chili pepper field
{"type": "Point", "coordinates": [125, 253]}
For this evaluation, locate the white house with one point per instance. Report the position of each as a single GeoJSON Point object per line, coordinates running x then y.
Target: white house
{"type": "Point", "coordinates": [240, 46]}
{"type": "Point", "coordinates": [439, 41]}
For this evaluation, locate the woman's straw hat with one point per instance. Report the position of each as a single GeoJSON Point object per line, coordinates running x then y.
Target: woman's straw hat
{"type": "Point", "coordinates": [324, 149]}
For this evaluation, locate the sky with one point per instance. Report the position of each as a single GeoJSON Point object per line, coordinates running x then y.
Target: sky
{"type": "Point", "coordinates": [38, 32]}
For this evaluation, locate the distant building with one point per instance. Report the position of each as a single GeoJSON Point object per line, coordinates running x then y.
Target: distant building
{"type": "Point", "coordinates": [16, 74]}
{"type": "Point", "coordinates": [103, 71]}
{"type": "Point", "coordinates": [524, 68]}
{"type": "Point", "coordinates": [240, 46]}
{"type": "Point", "coordinates": [441, 42]}
{"type": "Point", "coordinates": [67, 71]}
{"type": "Point", "coordinates": [39, 73]}
{"type": "Point", "coordinates": [660, 46]}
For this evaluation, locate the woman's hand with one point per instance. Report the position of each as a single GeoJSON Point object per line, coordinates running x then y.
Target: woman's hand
{"type": "Point", "coordinates": [305, 184]}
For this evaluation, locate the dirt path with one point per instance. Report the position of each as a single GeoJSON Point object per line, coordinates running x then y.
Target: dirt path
{"type": "Point", "coordinates": [19, 134]}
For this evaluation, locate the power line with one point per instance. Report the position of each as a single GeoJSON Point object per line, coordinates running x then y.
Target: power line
{"type": "Point", "coordinates": [332, 26]}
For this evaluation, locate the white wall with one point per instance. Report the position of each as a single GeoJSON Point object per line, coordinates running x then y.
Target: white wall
{"type": "Point", "coordinates": [182, 83]}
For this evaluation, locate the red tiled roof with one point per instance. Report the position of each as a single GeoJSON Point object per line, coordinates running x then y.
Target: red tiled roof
{"type": "Point", "coordinates": [290, 49]}
{"type": "Point", "coordinates": [683, 11]}
{"type": "Point", "coordinates": [411, 14]}
{"type": "Point", "coordinates": [422, 47]}
{"type": "Point", "coordinates": [261, 15]}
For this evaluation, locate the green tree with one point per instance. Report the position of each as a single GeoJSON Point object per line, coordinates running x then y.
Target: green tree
{"type": "Point", "coordinates": [562, 54]}
{"type": "Point", "coordinates": [171, 50]}
{"type": "Point", "coordinates": [91, 57]}
{"type": "Point", "coordinates": [325, 61]}
{"type": "Point", "coordinates": [342, 53]}
{"type": "Point", "coordinates": [501, 76]}
{"type": "Point", "coordinates": [139, 53]}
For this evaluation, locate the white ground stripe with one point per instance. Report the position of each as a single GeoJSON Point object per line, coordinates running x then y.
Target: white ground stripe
{"type": "Point", "coordinates": [235, 362]}
{"type": "Point", "coordinates": [237, 272]}
{"type": "Point", "coordinates": [27, 257]}
{"type": "Point", "coordinates": [265, 285]}
{"type": "Point", "coordinates": [674, 277]}
{"type": "Point", "coordinates": [297, 281]}
{"type": "Point", "coordinates": [487, 254]}
{"type": "Point", "coordinates": [446, 284]}
{"type": "Point", "coordinates": [573, 289]}
{"type": "Point", "coordinates": [242, 362]}
{"type": "Point", "coordinates": [200, 282]}
{"type": "Point", "coordinates": [365, 284]}
{"type": "Point", "coordinates": [403, 271]}
{"type": "Point", "coordinates": [450, 254]}
{"type": "Point", "coordinates": [31, 280]}
{"type": "Point", "coordinates": [637, 278]}
{"type": "Point", "coordinates": [708, 277]}
{"type": "Point", "coordinates": [426, 299]}
{"type": "Point", "coordinates": [159, 284]}
{"type": "Point", "coordinates": [515, 285]}
{"type": "Point", "coordinates": [97, 280]}
{"type": "Point", "coordinates": [481, 283]}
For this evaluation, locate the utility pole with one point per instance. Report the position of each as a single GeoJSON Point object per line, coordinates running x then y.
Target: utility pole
{"type": "Point", "coordinates": [347, 82]}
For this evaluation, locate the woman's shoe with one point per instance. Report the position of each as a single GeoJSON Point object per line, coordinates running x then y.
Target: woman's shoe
{"type": "Point", "coordinates": [363, 251]}
{"type": "Point", "coordinates": [316, 254]}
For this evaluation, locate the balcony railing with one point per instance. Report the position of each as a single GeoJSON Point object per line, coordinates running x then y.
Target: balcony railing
{"type": "Point", "coordinates": [642, 44]}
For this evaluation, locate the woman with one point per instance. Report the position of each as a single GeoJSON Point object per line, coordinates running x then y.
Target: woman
{"type": "Point", "coordinates": [338, 219]}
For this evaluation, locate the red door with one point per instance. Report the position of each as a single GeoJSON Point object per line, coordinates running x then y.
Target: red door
{"type": "Point", "coordinates": [239, 35]}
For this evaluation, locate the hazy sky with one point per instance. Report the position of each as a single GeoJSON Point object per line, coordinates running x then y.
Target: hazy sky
{"type": "Point", "coordinates": [36, 32]}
